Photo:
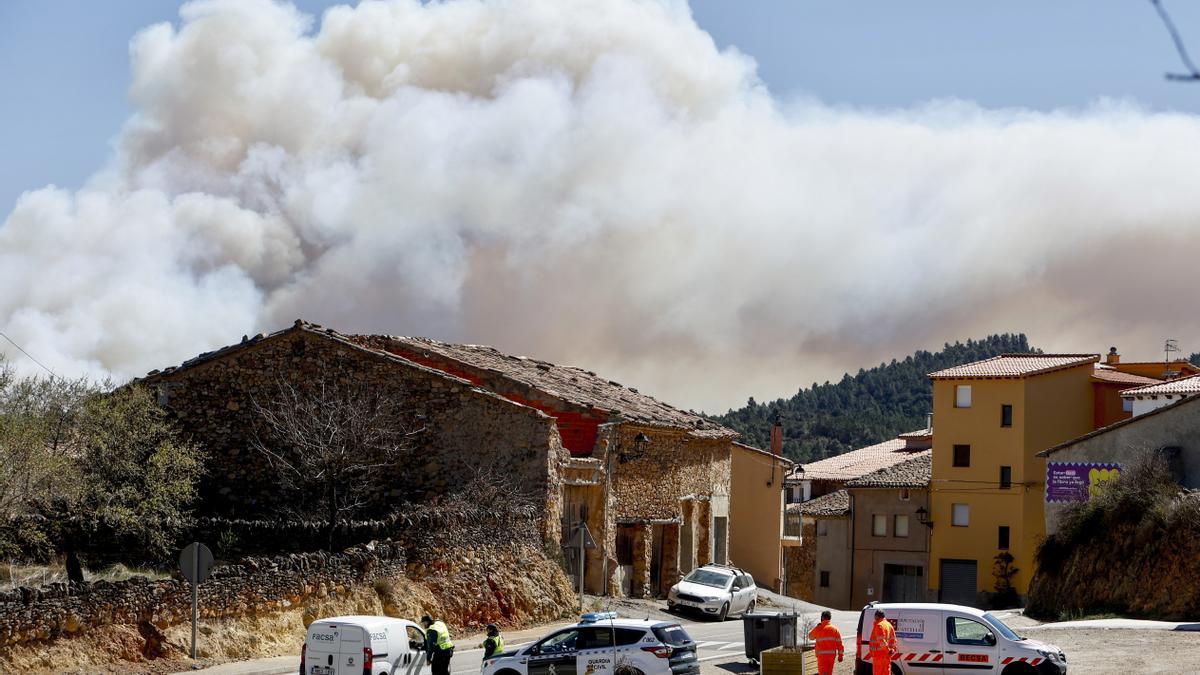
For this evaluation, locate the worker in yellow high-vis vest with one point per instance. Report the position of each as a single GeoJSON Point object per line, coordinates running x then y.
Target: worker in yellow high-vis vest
{"type": "Point", "coordinates": [438, 646]}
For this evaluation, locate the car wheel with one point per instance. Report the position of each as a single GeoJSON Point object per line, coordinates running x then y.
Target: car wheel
{"type": "Point", "coordinates": [724, 612]}
{"type": "Point", "coordinates": [672, 607]}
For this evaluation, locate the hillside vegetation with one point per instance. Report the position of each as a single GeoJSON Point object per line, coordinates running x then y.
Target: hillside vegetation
{"type": "Point", "coordinates": [832, 418]}
{"type": "Point", "coordinates": [1132, 550]}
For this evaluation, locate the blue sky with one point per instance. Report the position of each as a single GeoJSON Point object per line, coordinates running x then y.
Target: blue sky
{"type": "Point", "coordinates": [64, 63]}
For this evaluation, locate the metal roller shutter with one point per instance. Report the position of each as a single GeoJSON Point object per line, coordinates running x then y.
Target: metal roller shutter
{"type": "Point", "coordinates": [959, 583]}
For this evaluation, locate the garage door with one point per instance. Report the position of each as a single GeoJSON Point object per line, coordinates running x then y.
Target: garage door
{"type": "Point", "coordinates": [958, 583]}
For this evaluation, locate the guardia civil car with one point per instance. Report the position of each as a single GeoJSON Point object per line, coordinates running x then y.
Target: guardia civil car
{"type": "Point", "coordinates": [603, 643]}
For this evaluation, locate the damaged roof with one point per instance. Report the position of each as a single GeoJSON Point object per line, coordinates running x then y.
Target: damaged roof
{"type": "Point", "coordinates": [567, 383]}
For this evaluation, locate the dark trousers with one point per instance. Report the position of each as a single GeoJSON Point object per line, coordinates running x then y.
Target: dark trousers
{"type": "Point", "coordinates": [441, 661]}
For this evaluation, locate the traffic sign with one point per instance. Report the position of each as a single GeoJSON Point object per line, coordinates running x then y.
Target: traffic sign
{"type": "Point", "coordinates": [196, 562]}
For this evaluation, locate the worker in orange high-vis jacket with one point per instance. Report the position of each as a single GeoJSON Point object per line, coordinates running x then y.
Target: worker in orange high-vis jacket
{"type": "Point", "coordinates": [883, 645]}
{"type": "Point", "coordinates": [828, 640]}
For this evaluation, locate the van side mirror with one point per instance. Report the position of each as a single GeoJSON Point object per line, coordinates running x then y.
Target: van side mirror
{"type": "Point", "coordinates": [990, 639]}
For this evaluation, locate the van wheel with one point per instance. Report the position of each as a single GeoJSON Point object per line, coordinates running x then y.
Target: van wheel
{"type": "Point", "coordinates": [750, 608]}
{"type": "Point", "coordinates": [896, 670]}
{"type": "Point", "coordinates": [507, 671]}
{"type": "Point", "coordinates": [1019, 668]}
{"type": "Point", "coordinates": [724, 612]}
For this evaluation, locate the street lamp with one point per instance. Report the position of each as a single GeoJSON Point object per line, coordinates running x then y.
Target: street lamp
{"type": "Point", "coordinates": [639, 448]}
{"type": "Point", "coordinates": [923, 517]}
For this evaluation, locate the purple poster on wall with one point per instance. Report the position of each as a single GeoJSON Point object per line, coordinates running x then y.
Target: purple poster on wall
{"type": "Point", "coordinates": [1077, 481]}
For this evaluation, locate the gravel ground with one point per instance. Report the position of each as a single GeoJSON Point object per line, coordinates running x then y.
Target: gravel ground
{"type": "Point", "coordinates": [1100, 651]}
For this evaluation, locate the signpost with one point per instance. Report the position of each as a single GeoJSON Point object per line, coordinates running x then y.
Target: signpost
{"type": "Point", "coordinates": [581, 539]}
{"type": "Point", "coordinates": [195, 561]}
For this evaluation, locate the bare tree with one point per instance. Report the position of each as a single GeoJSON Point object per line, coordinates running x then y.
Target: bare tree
{"type": "Point", "coordinates": [1192, 74]}
{"type": "Point", "coordinates": [336, 444]}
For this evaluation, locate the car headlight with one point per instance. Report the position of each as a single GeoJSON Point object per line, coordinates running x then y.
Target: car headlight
{"type": "Point", "coordinates": [1057, 657]}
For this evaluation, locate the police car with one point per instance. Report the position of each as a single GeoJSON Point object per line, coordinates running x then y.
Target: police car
{"type": "Point", "coordinates": [602, 643]}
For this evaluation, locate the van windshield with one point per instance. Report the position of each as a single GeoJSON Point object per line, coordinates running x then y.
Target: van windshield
{"type": "Point", "coordinates": [1001, 628]}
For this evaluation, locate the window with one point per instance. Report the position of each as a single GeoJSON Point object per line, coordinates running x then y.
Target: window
{"type": "Point", "coordinates": [595, 637]}
{"type": "Point", "coordinates": [962, 396]}
{"type": "Point", "coordinates": [904, 495]}
{"type": "Point", "coordinates": [1127, 404]}
{"type": "Point", "coordinates": [960, 515]}
{"type": "Point", "coordinates": [1006, 415]}
{"type": "Point", "coordinates": [1005, 477]}
{"type": "Point", "coordinates": [964, 631]}
{"type": "Point", "coordinates": [559, 642]}
{"type": "Point", "coordinates": [822, 528]}
{"type": "Point", "coordinates": [962, 455]}
{"type": "Point", "coordinates": [879, 525]}
{"type": "Point", "coordinates": [1002, 539]}
{"type": "Point", "coordinates": [900, 526]}
{"type": "Point", "coordinates": [824, 579]}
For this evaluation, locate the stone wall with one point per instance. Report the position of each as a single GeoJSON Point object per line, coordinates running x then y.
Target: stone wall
{"type": "Point", "coordinates": [671, 466]}
{"type": "Point", "coordinates": [469, 588]}
{"type": "Point", "coordinates": [799, 564]}
{"type": "Point", "coordinates": [465, 429]}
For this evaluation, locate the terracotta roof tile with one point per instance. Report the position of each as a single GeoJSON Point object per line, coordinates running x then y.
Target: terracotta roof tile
{"type": "Point", "coordinates": [1104, 373]}
{"type": "Point", "coordinates": [1015, 365]}
{"type": "Point", "coordinates": [830, 505]}
{"type": "Point", "coordinates": [1183, 385]}
{"type": "Point", "coordinates": [568, 383]}
{"type": "Point", "coordinates": [911, 473]}
{"type": "Point", "coordinates": [857, 463]}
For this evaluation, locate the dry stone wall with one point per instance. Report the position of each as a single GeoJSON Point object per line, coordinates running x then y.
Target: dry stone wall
{"type": "Point", "coordinates": [673, 465]}
{"type": "Point", "coordinates": [465, 429]}
{"type": "Point", "coordinates": [469, 588]}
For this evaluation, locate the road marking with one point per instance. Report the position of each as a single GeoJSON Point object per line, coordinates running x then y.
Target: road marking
{"type": "Point", "coordinates": [702, 645]}
{"type": "Point", "coordinates": [733, 645]}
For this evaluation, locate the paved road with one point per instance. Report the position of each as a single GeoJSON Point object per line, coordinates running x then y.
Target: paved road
{"type": "Point", "coordinates": [718, 643]}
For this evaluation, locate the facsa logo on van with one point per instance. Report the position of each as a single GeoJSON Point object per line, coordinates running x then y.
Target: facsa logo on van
{"type": "Point", "coordinates": [324, 637]}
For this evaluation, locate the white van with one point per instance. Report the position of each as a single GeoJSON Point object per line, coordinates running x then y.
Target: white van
{"type": "Point", "coordinates": [936, 638]}
{"type": "Point", "coordinates": [363, 645]}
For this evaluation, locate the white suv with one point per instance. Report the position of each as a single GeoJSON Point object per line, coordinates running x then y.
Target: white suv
{"type": "Point", "coordinates": [715, 590]}
{"type": "Point", "coordinates": [597, 643]}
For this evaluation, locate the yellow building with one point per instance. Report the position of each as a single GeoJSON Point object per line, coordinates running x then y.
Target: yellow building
{"type": "Point", "coordinates": [991, 419]}
{"type": "Point", "coordinates": [756, 514]}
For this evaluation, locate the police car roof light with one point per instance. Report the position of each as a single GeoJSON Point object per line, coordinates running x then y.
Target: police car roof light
{"type": "Point", "coordinates": [592, 617]}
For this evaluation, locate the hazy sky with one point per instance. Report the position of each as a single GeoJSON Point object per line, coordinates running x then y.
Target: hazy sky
{"type": "Point", "coordinates": [732, 201]}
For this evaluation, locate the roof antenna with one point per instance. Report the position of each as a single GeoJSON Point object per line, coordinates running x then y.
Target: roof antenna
{"type": "Point", "coordinates": [1170, 345]}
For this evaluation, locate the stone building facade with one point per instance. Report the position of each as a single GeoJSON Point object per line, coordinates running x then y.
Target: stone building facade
{"type": "Point", "coordinates": [651, 482]}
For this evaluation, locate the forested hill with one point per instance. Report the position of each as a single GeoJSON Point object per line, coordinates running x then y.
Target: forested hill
{"type": "Point", "coordinates": [872, 406]}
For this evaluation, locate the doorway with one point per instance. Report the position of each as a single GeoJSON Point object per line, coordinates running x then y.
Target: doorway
{"type": "Point", "coordinates": [903, 583]}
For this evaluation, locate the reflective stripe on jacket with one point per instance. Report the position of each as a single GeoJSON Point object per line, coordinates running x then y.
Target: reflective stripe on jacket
{"type": "Point", "coordinates": [828, 639]}
{"type": "Point", "coordinates": [883, 638]}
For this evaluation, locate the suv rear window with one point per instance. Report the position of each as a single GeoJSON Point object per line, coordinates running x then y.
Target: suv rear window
{"type": "Point", "coordinates": [673, 635]}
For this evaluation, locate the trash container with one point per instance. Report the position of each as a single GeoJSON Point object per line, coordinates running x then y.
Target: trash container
{"type": "Point", "coordinates": [763, 631]}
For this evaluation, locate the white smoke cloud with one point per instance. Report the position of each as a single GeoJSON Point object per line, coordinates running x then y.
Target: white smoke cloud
{"type": "Point", "coordinates": [593, 183]}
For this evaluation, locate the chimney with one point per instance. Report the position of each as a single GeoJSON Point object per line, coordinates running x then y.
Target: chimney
{"type": "Point", "coordinates": [777, 435]}
{"type": "Point", "coordinates": [1113, 357]}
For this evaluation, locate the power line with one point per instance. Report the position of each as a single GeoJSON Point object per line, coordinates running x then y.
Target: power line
{"type": "Point", "coordinates": [30, 356]}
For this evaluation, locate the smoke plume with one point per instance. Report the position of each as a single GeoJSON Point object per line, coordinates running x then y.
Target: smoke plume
{"type": "Point", "coordinates": [592, 183]}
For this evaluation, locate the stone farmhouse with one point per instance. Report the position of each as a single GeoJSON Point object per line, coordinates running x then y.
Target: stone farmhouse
{"type": "Point", "coordinates": [651, 482]}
